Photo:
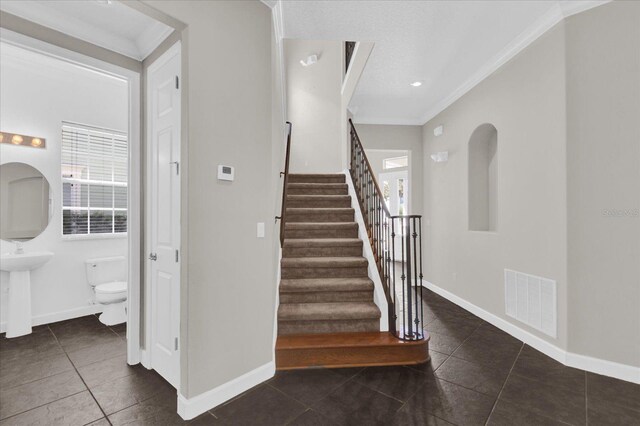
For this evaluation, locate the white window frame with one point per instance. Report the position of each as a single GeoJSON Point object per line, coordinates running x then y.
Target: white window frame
{"type": "Point", "coordinates": [102, 235]}
{"type": "Point", "coordinates": [384, 162]}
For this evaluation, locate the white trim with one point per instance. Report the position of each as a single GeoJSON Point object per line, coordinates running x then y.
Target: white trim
{"type": "Point", "coordinates": [595, 365]}
{"type": "Point", "coordinates": [378, 291]}
{"type": "Point", "coordinates": [60, 316]}
{"type": "Point", "coordinates": [134, 197]}
{"type": "Point", "coordinates": [556, 14]}
{"type": "Point", "coordinates": [277, 300]}
{"type": "Point", "coordinates": [189, 408]}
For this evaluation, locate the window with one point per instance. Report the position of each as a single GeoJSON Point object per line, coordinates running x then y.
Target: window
{"type": "Point", "coordinates": [395, 163]}
{"type": "Point", "coordinates": [94, 181]}
{"type": "Point", "coordinates": [483, 178]}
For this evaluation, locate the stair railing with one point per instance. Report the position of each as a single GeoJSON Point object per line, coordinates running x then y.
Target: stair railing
{"type": "Point", "coordinates": [285, 173]}
{"type": "Point", "coordinates": [396, 242]}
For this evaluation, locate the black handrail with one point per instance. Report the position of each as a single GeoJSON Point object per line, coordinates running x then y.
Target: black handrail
{"type": "Point", "coordinates": [406, 313]}
{"type": "Point", "coordinates": [285, 173]}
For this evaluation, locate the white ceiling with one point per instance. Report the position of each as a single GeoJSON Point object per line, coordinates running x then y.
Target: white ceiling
{"type": "Point", "coordinates": [448, 45]}
{"type": "Point", "coordinates": [109, 24]}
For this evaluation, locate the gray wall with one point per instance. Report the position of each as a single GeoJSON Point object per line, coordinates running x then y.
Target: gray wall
{"type": "Point", "coordinates": [228, 293]}
{"type": "Point", "coordinates": [314, 104]}
{"type": "Point", "coordinates": [566, 110]}
{"type": "Point", "coordinates": [525, 101]}
{"type": "Point", "coordinates": [603, 172]}
{"type": "Point", "coordinates": [409, 138]}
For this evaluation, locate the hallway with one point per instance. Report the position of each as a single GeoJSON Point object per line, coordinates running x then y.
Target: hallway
{"type": "Point", "coordinates": [74, 372]}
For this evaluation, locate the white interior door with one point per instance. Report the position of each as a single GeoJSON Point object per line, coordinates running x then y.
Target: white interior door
{"type": "Point", "coordinates": [164, 214]}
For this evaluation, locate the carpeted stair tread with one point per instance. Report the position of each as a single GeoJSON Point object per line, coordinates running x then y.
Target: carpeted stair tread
{"type": "Point", "coordinates": [328, 311]}
{"type": "Point", "coordinates": [309, 210]}
{"type": "Point", "coordinates": [324, 262]}
{"type": "Point", "coordinates": [321, 225]}
{"type": "Point", "coordinates": [322, 242]}
{"type": "Point", "coordinates": [316, 178]}
{"type": "Point", "coordinates": [325, 285]}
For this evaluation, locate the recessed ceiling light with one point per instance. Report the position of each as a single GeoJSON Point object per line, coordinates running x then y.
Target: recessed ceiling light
{"type": "Point", "coordinates": [416, 84]}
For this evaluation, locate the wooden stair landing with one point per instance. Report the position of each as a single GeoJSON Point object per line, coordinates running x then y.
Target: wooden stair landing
{"type": "Point", "coordinates": [348, 350]}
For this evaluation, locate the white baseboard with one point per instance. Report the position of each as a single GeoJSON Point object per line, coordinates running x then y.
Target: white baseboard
{"type": "Point", "coordinates": [595, 365]}
{"type": "Point", "coordinates": [60, 316]}
{"type": "Point", "coordinates": [189, 408]}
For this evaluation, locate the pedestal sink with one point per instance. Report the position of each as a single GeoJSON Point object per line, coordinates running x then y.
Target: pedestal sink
{"type": "Point", "coordinates": [19, 267]}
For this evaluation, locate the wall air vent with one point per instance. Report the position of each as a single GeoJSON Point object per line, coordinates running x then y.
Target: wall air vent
{"type": "Point", "coordinates": [532, 300]}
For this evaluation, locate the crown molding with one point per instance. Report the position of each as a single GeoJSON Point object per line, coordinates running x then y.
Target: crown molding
{"type": "Point", "coordinates": [556, 14]}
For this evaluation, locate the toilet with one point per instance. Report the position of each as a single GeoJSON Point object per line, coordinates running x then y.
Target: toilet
{"type": "Point", "coordinates": [107, 276]}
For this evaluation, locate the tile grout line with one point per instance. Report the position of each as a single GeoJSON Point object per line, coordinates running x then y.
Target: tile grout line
{"type": "Point", "coordinates": [80, 376]}
{"type": "Point", "coordinates": [53, 375]}
{"type": "Point", "coordinates": [586, 400]}
{"type": "Point", "coordinates": [495, 403]}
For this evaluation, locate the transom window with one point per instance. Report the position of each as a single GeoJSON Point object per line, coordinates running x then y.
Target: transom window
{"type": "Point", "coordinates": [94, 181]}
{"type": "Point", "coordinates": [395, 163]}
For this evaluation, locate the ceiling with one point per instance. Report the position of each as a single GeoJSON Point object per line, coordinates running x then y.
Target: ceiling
{"type": "Point", "coordinates": [449, 46]}
{"type": "Point", "coordinates": [106, 23]}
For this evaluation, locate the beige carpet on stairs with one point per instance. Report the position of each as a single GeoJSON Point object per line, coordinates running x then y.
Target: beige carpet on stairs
{"type": "Point", "coordinates": [325, 286]}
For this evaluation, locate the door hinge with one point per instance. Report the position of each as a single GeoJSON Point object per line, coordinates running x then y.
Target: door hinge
{"type": "Point", "coordinates": [177, 82]}
{"type": "Point", "coordinates": [177, 256]}
{"type": "Point", "coordinates": [176, 343]}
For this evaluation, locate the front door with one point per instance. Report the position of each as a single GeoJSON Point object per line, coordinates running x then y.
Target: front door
{"type": "Point", "coordinates": [395, 190]}
{"type": "Point", "coordinates": [163, 96]}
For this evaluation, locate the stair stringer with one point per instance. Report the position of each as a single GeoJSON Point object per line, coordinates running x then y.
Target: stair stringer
{"type": "Point", "coordinates": [379, 297]}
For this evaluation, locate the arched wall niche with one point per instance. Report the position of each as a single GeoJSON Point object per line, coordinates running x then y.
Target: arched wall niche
{"type": "Point", "coordinates": [483, 178]}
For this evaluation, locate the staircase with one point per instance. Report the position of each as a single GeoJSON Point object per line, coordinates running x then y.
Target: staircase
{"type": "Point", "coordinates": [325, 285]}
{"type": "Point", "coordinates": [327, 315]}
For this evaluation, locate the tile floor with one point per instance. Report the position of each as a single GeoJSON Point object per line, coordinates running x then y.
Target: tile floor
{"type": "Point", "coordinates": [75, 373]}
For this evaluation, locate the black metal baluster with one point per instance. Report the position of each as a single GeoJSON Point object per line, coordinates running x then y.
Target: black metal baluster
{"type": "Point", "coordinates": [407, 242]}
{"type": "Point", "coordinates": [421, 286]}
{"type": "Point", "coordinates": [414, 234]}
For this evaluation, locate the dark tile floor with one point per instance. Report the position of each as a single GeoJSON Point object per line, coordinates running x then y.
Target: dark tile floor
{"type": "Point", "coordinates": [75, 373]}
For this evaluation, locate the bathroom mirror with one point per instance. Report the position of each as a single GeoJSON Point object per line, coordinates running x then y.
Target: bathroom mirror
{"type": "Point", "coordinates": [25, 202]}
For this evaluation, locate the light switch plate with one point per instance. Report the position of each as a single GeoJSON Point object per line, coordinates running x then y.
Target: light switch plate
{"type": "Point", "coordinates": [260, 230]}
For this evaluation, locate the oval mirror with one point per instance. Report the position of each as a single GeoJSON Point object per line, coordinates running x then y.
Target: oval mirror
{"type": "Point", "coordinates": [25, 202]}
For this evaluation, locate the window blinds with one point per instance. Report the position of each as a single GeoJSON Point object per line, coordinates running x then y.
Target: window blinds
{"type": "Point", "coordinates": [94, 181]}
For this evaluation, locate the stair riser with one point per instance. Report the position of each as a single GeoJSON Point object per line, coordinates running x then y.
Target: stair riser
{"type": "Point", "coordinates": [322, 190]}
{"type": "Point", "coordinates": [324, 326]}
{"type": "Point", "coordinates": [319, 217]}
{"type": "Point", "coordinates": [326, 297]}
{"type": "Point", "coordinates": [316, 179]}
{"type": "Point", "coordinates": [354, 272]}
{"type": "Point", "coordinates": [331, 251]}
{"type": "Point", "coordinates": [322, 233]}
{"type": "Point", "coordinates": [356, 356]}
{"type": "Point", "coordinates": [322, 204]}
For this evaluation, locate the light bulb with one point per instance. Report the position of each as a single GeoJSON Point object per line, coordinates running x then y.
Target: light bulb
{"type": "Point", "coordinates": [16, 139]}
{"type": "Point", "coordinates": [36, 142]}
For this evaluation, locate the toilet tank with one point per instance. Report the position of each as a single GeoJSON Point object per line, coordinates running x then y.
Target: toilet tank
{"type": "Point", "coordinates": [106, 269]}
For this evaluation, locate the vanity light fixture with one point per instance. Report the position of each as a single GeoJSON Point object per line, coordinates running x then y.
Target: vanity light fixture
{"type": "Point", "coordinates": [23, 140]}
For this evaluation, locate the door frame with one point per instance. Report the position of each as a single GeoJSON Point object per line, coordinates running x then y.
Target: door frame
{"type": "Point", "coordinates": [146, 360]}
{"type": "Point", "coordinates": [134, 199]}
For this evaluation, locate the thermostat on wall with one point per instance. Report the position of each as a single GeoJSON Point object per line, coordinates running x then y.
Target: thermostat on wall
{"type": "Point", "coordinates": [225, 172]}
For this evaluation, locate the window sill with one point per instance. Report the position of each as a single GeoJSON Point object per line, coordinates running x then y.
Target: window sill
{"type": "Point", "coordinates": [81, 237]}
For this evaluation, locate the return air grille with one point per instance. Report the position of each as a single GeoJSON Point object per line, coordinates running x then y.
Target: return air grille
{"type": "Point", "coordinates": [532, 300]}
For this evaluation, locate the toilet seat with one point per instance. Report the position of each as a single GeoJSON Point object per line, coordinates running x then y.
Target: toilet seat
{"type": "Point", "coordinates": [112, 288]}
